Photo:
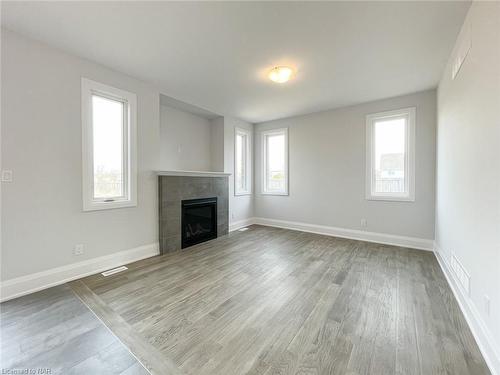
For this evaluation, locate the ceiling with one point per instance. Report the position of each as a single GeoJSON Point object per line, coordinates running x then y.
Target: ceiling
{"type": "Point", "coordinates": [216, 55]}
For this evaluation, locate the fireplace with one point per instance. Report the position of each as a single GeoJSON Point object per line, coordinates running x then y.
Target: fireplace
{"type": "Point", "coordinates": [198, 221]}
{"type": "Point", "coordinates": [176, 188]}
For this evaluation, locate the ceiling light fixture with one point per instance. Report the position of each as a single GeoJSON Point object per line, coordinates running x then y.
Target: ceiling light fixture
{"type": "Point", "coordinates": [280, 74]}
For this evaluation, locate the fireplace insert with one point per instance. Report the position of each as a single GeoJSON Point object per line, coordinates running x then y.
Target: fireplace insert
{"type": "Point", "coordinates": [199, 221]}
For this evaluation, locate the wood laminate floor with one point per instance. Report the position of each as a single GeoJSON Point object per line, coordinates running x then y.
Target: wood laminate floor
{"type": "Point", "coordinates": [274, 301]}
{"type": "Point", "coordinates": [53, 332]}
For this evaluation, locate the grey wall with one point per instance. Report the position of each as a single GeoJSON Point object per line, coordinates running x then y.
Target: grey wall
{"type": "Point", "coordinates": [327, 171]}
{"type": "Point", "coordinates": [42, 216]}
{"type": "Point", "coordinates": [185, 140]}
{"type": "Point", "coordinates": [468, 162]}
{"type": "Point", "coordinates": [217, 144]}
{"type": "Point", "coordinates": [206, 145]}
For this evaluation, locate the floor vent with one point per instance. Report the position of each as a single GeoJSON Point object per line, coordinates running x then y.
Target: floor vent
{"type": "Point", "coordinates": [460, 273]}
{"type": "Point", "coordinates": [242, 229]}
{"type": "Point", "coordinates": [114, 270]}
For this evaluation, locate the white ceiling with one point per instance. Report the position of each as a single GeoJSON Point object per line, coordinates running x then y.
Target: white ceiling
{"type": "Point", "coordinates": [216, 54]}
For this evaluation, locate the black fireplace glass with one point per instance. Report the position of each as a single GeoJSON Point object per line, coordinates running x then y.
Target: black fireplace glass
{"type": "Point", "coordinates": [199, 221]}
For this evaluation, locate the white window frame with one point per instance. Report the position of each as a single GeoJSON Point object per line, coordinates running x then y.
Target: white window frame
{"type": "Point", "coordinates": [89, 88]}
{"type": "Point", "coordinates": [371, 119]}
{"type": "Point", "coordinates": [264, 135]}
{"type": "Point", "coordinates": [248, 162]}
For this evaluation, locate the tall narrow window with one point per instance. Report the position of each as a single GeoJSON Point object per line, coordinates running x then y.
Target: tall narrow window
{"type": "Point", "coordinates": [109, 155]}
{"type": "Point", "coordinates": [390, 169]}
{"type": "Point", "coordinates": [242, 162]}
{"type": "Point", "coordinates": [275, 162]}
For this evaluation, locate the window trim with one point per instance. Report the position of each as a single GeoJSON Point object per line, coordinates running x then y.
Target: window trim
{"type": "Point", "coordinates": [248, 161]}
{"type": "Point", "coordinates": [264, 136]}
{"type": "Point", "coordinates": [409, 195]}
{"type": "Point", "coordinates": [88, 88]}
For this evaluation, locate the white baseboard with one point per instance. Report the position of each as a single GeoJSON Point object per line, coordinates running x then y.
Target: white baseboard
{"type": "Point", "coordinates": [23, 285]}
{"type": "Point", "coordinates": [382, 238]}
{"type": "Point", "coordinates": [483, 336]}
{"type": "Point", "coordinates": [241, 224]}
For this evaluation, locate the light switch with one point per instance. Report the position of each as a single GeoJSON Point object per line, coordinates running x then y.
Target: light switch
{"type": "Point", "coordinates": [6, 175]}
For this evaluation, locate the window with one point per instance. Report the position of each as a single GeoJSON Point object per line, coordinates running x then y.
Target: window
{"type": "Point", "coordinates": [275, 162]}
{"type": "Point", "coordinates": [243, 162]}
{"type": "Point", "coordinates": [109, 155]}
{"type": "Point", "coordinates": [390, 165]}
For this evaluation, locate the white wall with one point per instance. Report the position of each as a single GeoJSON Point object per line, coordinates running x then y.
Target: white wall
{"type": "Point", "coordinates": [468, 164]}
{"type": "Point", "coordinates": [240, 206]}
{"type": "Point", "coordinates": [42, 216]}
{"type": "Point", "coordinates": [217, 144]}
{"type": "Point", "coordinates": [185, 140]}
{"type": "Point", "coordinates": [327, 171]}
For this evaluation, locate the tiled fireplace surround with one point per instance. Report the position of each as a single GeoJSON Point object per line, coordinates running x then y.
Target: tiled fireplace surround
{"type": "Point", "coordinates": [173, 190]}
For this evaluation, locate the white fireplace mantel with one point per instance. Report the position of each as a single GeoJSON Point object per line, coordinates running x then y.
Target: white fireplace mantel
{"type": "Point", "coordinates": [192, 173]}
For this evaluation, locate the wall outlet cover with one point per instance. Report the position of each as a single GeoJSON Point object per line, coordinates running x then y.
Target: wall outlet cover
{"type": "Point", "coordinates": [6, 175]}
{"type": "Point", "coordinates": [78, 250]}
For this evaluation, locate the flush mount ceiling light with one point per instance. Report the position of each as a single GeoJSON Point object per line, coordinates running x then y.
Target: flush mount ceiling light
{"type": "Point", "coordinates": [280, 74]}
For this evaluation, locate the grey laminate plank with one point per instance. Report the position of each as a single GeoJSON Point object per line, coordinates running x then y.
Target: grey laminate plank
{"type": "Point", "coordinates": [183, 344]}
{"type": "Point", "coordinates": [307, 336]}
{"type": "Point", "coordinates": [53, 331]}
{"type": "Point", "coordinates": [237, 304]}
{"type": "Point", "coordinates": [41, 341]}
{"type": "Point", "coordinates": [279, 321]}
{"type": "Point", "coordinates": [135, 369]}
{"type": "Point", "coordinates": [376, 324]}
{"type": "Point", "coordinates": [113, 360]}
{"type": "Point", "coordinates": [274, 301]}
{"type": "Point", "coordinates": [72, 352]}
{"type": "Point", "coordinates": [147, 354]}
{"type": "Point", "coordinates": [408, 356]}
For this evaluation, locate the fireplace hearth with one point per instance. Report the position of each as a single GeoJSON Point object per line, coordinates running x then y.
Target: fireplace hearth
{"type": "Point", "coordinates": [198, 221]}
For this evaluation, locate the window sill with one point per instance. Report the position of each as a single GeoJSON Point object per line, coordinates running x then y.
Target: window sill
{"type": "Point", "coordinates": [108, 205]}
{"type": "Point", "coordinates": [271, 193]}
{"type": "Point", "coordinates": [390, 198]}
{"type": "Point", "coordinates": [242, 194]}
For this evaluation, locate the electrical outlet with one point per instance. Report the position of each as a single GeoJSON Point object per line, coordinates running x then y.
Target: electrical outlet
{"type": "Point", "coordinates": [364, 223]}
{"type": "Point", "coordinates": [487, 304]}
{"type": "Point", "coordinates": [6, 175]}
{"type": "Point", "coordinates": [78, 250]}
